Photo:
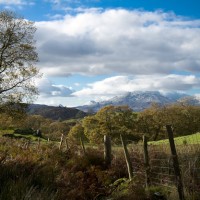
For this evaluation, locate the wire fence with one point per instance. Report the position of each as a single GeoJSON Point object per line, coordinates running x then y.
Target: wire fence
{"type": "Point", "coordinates": [162, 168]}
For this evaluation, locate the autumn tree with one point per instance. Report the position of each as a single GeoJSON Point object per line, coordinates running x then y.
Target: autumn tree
{"type": "Point", "coordinates": [116, 122]}
{"type": "Point", "coordinates": [124, 120]}
{"type": "Point", "coordinates": [92, 129]}
{"type": "Point", "coordinates": [77, 133]}
{"type": "Point", "coordinates": [17, 58]}
{"type": "Point", "coordinates": [184, 119]}
{"type": "Point", "coordinates": [151, 121]}
{"type": "Point", "coordinates": [56, 129]}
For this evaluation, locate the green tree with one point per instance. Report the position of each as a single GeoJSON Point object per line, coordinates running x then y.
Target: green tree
{"type": "Point", "coordinates": [17, 58]}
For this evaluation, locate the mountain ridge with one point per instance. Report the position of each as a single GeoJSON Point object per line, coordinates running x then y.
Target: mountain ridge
{"type": "Point", "coordinates": [138, 100]}
{"type": "Point", "coordinates": [55, 112]}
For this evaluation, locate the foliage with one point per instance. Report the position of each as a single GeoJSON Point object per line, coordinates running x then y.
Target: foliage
{"type": "Point", "coordinates": [183, 118]}
{"type": "Point", "coordinates": [111, 121]}
{"type": "Point", "coordinates": [127, 190]}
{"type": "Point", "coordinates": [92, 129]}
{"type": "Point", "coordinates": [17, 58]}
{"type": "Point", "coordinates": [27, 131]}
{"type": "Point", "coordinates": [45, 171]}
{"type": "Point", "coordinates": [49, 128]}
{"type": "Point", "coordinates": [77, 132]}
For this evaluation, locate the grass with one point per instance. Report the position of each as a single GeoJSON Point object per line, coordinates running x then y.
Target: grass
{"type": "Point", "coordinates": [10, 133]}
{"type": "Point", "coordinates": [5, 131]}
{"type": "Point", "coordinates": [182, 140]}
{"type": "Point", "coordinates": [29, 137]}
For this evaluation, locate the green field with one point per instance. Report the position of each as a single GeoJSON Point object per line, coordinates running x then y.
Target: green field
{"type": "Point", "coordinates": [188, 139]}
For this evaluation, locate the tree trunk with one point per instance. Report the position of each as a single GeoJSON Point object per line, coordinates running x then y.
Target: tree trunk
{"type": "Point", "coordinates": [127, 157]}
{"type": "Point", "coordinates": [107, 150]}
{"type": "Point", "coordinates": [156, 134]}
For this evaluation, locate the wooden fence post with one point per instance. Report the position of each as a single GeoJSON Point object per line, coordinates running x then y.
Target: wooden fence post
{"type": "Point", "coordinates": [61, 141]}
{"type": "Point", "coordinates": [146, 161]}
{"type": "Point", "coordinates": [107, 150]}
{"type": "Point", "coordinates": [127, 158]}
{"type": "Point", "coordinates": [175, 162]}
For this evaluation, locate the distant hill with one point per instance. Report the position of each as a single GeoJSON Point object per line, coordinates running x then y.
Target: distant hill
{"type": "Point", "coordinates": [55, 113]}
{"type": "Point", "coordinates": [138, 101]}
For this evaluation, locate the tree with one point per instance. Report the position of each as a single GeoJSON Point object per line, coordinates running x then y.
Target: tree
{"type": "Point", "coordinates": [124, 120]}
{"type": "Point", "coordinates": [77, 133]}
{"type": "Point", "coordinates": [17, 58]}
{"type": "Point", "coordinates": [105, 117]}
{"type": "Point", "coordinates": [92, 129]}
{"type": "Point", "coordinates": [152, 121]}
{"type": "Point", "coordinates": [117, 122]}
{"type": "Point", "coordinates": [182, 117]}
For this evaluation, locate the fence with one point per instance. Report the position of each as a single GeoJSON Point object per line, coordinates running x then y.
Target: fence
{"type": "Point", "coordinates": [173, 164]}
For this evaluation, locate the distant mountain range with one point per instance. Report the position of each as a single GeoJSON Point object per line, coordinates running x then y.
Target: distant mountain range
{"type": "Point", "coordinates": [139, 101]}
{"type": "Point", "coordinates": [55, 113]}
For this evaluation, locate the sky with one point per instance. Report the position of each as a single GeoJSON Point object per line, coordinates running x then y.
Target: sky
{"type": "Point", "coordinates": [98, 49]}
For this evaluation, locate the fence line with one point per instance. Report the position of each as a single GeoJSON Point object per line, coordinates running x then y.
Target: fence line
{"type": "Point", "coordinates": [161, 165]}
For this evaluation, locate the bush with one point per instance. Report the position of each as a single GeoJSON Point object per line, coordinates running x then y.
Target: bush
{"type": "Point", "coordinates": [27, 131]}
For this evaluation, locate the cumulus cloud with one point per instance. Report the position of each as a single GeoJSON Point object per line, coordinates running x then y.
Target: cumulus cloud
{"type": "Point", "coordinates": [120, 41]}
{"type": "Point", "coordinates": [118, 85]}
{"type": "Point", "coordinates": [48, 89]}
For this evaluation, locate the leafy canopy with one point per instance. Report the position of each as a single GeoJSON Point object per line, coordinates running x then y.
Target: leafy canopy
{"type": "Point", "coordinates": [17, 58]}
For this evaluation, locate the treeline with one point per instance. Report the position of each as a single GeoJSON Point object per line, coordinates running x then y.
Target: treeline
{"type": "Point", "coordinates": [113, 121]}
{"type": "Point", "coordinates": [184, 118]}
{"type": "Point", "coordinates": [116, 120]}
{"type": "Point", "coordinates": [49, 128]}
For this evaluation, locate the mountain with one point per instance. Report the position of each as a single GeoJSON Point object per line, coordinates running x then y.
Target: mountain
{"type": "Point", "coordinates": [138, 101]}
{"type": "Point", "coordinates": [55, 113]}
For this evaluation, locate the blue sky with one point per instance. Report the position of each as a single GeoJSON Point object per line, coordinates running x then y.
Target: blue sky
{"type": "Point", "coordinates": [97, 49]}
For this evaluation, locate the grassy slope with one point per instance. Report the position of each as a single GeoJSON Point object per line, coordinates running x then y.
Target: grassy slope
{"type": "Point", "coordinates": [188, 139]}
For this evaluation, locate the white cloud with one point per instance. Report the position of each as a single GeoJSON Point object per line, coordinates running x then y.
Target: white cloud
{"type": "Point", "coordinates": [118, 85]}
{"type": "Point", "coordinates": [16, 2]}
{"type": "Point", "coordinates": [48, 89]}
{"type": "Point", "coordinates": [119, 41]}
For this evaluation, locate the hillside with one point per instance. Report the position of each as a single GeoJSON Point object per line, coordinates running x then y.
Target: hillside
{"type": "Point", "coordinates": [138, 101]}
{"type": "Point", "coordinates": [181, 140]}
{"type": "Point", "coordinates": [55, 113]}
